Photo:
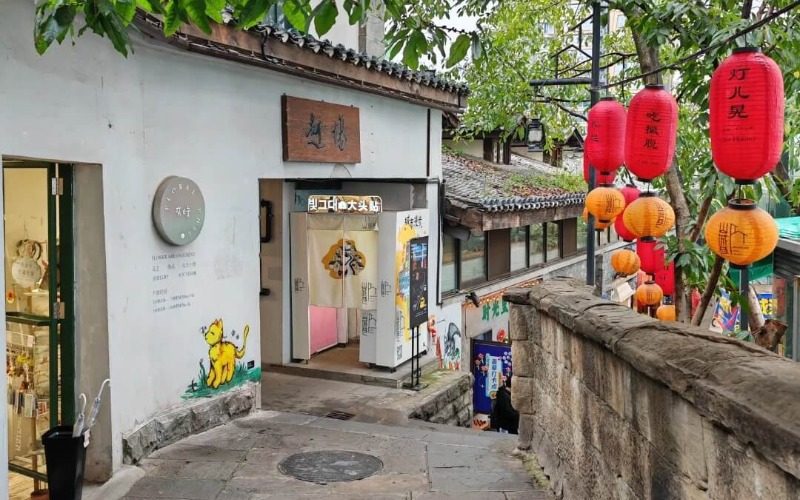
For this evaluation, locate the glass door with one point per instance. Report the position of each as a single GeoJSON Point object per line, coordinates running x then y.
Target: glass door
{"type": "Point", "coordinates": [39, 333]}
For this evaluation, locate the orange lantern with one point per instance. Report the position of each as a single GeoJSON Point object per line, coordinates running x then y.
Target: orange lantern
{"type": "Point", "coordinates": [625, 262]}
{"type": "Point", "coordinates": [598, 226]}
{"type": "Point", "coordinates": [605, 203]}
{"type": "Point", "coordinates": [649, 215]}
{"type": "Point", "coordinates": [649, 293]}
{"type": "Point", "coordinates": [741, 233]}
{"type": "Point", "coordinates": [666, 312]}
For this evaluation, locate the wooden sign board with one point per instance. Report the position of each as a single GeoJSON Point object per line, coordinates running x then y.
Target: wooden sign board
{"type": "Point", "coordinates": [316, 131]}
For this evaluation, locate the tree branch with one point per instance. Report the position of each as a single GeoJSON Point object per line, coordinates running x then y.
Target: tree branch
{"type": "Point", "coordinates": [713, 279]}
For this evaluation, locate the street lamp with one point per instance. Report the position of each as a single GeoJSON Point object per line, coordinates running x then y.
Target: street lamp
{"type": "Point", "coordinates": [535, 135]}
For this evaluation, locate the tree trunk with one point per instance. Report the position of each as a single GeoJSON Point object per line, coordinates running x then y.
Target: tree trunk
{"type": "Point", "coordinates": [713, 279]}
{"type": "Point", "coordinates": [682, 222]}
{"type": "Point", "coordinates": [701, 218]}
{"type": "Point", "coordinates": [755, 318]}
{"type": "Point", "coordinates": [649, 61]}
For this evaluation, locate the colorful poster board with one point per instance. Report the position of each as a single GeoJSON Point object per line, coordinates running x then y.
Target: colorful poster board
{"type": "Point", "coordinates": [727, 317]}
{"type": "Point", "coordinates": [491, 365]}
{"type": "Point", "coordinates": [419, 281]}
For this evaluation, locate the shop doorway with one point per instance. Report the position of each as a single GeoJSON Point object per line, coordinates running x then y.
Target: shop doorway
{"type": "Point", "coordinates": [39, 278]}
{"type": "Point", "coordinates": [335, 273]}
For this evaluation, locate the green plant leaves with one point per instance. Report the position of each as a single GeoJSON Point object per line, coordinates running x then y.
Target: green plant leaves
{"type": "Point", "coordinates": [458, 50]}
{"type": "Point", "coordinates": [297, 12]}
{"type": "Point", "coordinates": [252, 13]}
{"type": "Point", "coordinates": [196, 12]}
{"type": "Point", "coordinates": [324, 15]}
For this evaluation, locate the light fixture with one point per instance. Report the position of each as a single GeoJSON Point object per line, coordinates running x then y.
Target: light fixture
{"type": "Point", "coordinates": [535, 135]}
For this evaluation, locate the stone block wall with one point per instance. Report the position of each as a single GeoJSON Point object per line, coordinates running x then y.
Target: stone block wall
{"type": "Point", "coordinates": [452, 404]}
{"type": "Point", "coordinates": [619, 405]}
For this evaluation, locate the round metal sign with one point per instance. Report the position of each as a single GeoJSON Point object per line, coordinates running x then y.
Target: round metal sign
{"type": "Point", "coordinates": [324, 467]}
{"type": "Point", "coordinates": [179, 210]}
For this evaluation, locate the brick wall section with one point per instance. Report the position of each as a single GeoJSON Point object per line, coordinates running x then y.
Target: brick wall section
{"type": "Point", "coordinates": [619, 405]}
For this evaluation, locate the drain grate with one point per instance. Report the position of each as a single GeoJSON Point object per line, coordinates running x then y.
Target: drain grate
{"type": "Point", "coordinates": [323, 467]}
{"type": "Point", "coordinates": [340, 415]}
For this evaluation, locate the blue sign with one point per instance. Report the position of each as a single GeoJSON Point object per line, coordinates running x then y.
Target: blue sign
{"type": "Point", "coordinates": [491, 366]}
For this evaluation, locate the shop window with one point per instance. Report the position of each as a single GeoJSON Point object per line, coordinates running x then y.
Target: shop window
{"type": "Point", "coordinates": [519, 248]}
{"type": "Point", "coordinates": [553, 237]}
{"type": "Point", "coordinates": [581, 234]}
{"type": "Point", "coordinates": [536, 246]}
{"type": "Point", "coordinates": [473, 259]}
{"type": "Point", "coordinates": [449, 264]}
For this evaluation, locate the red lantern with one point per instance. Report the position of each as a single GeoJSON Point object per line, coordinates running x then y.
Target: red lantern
{"type": "Point", "coordinates": [606, 135]}
{"type": "Point", "coordinates": [746, 104]}
{"type": "Point", "coordinates": [650, 132]}
{"type": "Point", "coordinates": [665, 278]}
{"type": "Point", "coordinates": [599, 177]}
{"type": "Point", "coordinates": [651, 254]}
{"type": "Point", "coordinates": [630, 192]}
{"type": "Point", "coordinates": [622, 230]}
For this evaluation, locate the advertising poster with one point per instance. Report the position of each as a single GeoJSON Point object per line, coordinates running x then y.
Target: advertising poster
{"type": "Point", "coordinates": [491, 365]}
{"type": "Point", "coordinates": [419, 281]}
{"type": "Point", "coordinates": [489, 320]}
{"type": "Point", "coordinates": [727, 317]}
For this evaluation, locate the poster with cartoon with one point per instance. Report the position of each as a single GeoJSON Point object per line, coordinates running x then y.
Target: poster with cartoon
{"type": "Point", "coordinates": [444, 330]}
{"type": "Point", "coordinates": [727, 316]}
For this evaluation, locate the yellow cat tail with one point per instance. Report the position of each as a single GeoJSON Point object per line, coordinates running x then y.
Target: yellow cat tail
{"type": "Point", "coordinates": [240, 352]}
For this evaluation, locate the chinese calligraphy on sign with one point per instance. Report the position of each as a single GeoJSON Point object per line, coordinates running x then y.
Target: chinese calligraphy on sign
{"type": "Point", "coordinates": [316, 131]}
{"type": "Point", "coordinates": [319, 204]}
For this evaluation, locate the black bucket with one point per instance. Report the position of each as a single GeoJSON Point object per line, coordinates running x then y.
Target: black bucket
{"type": "Point", "coordinates": [65, 457]}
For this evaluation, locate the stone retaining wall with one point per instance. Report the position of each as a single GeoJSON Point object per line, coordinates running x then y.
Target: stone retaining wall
{"type": "Point", "coordinates": [619, 405]}
{"type": "Point", "coordinates": [194, 416]}
{"type": "Point", "coordinates": [452, 404]}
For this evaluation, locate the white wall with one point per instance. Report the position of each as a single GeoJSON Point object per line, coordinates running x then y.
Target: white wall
{"type": "Point", "coordinates": [162, 112]}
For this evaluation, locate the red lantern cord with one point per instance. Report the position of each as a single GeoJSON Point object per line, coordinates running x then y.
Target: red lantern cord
{"type": "Point", "coordinates": [746, 104]}
{"type": "Point", "coordinates": [606, 135]}
{"type": "Point", "coordinates": [650, 132]}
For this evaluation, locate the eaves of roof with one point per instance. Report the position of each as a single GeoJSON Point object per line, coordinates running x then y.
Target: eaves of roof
{"type": "Point", "coordinates": [304, 56]}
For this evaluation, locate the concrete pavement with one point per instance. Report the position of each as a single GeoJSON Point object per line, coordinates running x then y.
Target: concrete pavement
{"type": "Point", "coordinates": [239, 461]}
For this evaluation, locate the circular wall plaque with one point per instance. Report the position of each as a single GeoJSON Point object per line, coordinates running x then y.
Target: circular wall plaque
{"type": "Point", "coordinates": [178, 210]}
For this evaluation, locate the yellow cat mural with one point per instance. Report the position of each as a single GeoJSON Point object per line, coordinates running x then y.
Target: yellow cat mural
{"type": "Point", "coordinates": [222, 354]}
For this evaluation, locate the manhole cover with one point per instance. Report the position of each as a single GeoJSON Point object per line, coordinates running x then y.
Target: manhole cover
{"type": "Point", "coordinates": [324, 467]}
{"type": "Point", "coordinates": [340, 415]}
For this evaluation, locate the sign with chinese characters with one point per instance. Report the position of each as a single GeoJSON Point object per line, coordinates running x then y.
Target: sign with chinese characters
{"type": "Point", "coordinates": [488, 321]}
{"type": "Point", "coordinates": [179, 210]}
{"type": "Point", "coordinates": [316, 131]}
{"type": "Point", "coordinates": [491, 366]}
{"type": "Point", "coordinates": [330, 204]}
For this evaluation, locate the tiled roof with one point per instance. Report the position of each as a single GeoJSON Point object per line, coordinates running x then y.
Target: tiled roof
{"type": "Point", "coordinates": [291, 36]}
{"type": "Point", "coordinates": [470, 182]}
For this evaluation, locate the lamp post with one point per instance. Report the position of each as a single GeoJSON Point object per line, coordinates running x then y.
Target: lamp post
{"type": "Point", "coordinates": [594, 92]}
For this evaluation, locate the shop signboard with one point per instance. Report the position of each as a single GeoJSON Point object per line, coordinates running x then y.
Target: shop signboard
{"type": "Point", "coordinates": [344, 204]}
{"type": "Point", "coordinates": [491, 366]}
{"type": "Point", "coordinates": [322, 132]}
{"type": "Point", "coordinates": [419, 281]}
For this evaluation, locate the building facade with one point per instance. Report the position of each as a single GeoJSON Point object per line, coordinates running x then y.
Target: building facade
{"type": "Point", "coordinates": [156, 212]}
